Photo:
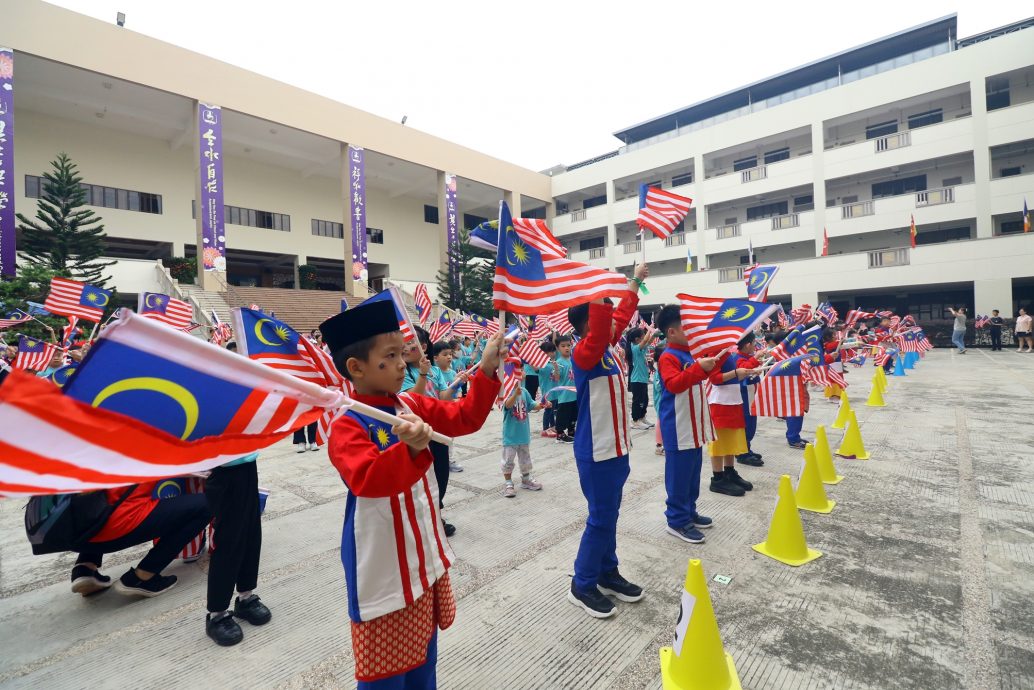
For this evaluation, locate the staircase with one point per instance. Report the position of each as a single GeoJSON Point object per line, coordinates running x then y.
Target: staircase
{"type": "Point", "coordinates": [207, 302]}
{"type": "Point", "coordinates": [302, 310]}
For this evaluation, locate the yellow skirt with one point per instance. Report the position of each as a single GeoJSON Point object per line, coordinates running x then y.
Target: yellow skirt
{"type": "Point", "coordinates": [833, 391]}
{"type": "Point", "coordinates": [729, 442]}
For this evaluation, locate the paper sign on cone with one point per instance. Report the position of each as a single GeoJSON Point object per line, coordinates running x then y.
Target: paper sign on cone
{"type": "Point", "coordinates": [852, 446]}
{"type": "Point", "coordinates": [785, 542]}
{"type": "Point", "coordinates": [811, 494]}
{"type": "Point", "coordinates": [842, 413]}
{"type": "Point", "coordinates": [824, 458]}
{"type": "Point", "coordinates": [696, 659]}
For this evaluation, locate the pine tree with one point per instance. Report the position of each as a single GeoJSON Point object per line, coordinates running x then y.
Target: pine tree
{"type": "Point", "coordinates": [68, 239]}
{"type": "Point", "coordinates": [472, 291]}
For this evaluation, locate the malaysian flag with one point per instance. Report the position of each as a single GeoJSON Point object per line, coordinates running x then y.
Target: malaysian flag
{"type": "Point", "coordinates": [758, 280]}
{"type": "Point", "coordinates": [488, 326]}
{"type": "Point", "coordinates": [69, 332]}
{"type": "Point", "coordinates": [72, 298]}
{"type": "Point", "coordinates": [822, 374]}
{"type": "Point", "coordinates": [909, 342]}
{"type": "Point", "coordinates": [422, 300]}
{"type": "Point", "coordinates": [793, 341]}
{"type": "Point", "coordinates": [661, 211]}
{"type": "Point", "coordinates": [33, 353]}
{"type": "Point", "coordinates": [784, 322]}
{"type": "Point", "coordinates": [856, 315]}
{"type": "Point", "coordinates": [14, 318]}
{"type": "Point", "coordinates": [465, 327]}
{"type": "Point", "coordinates": [780, 393]}
{"type": "Point", "coordinates": [924, 343]}
{"type": "Point", "coordinates": [272, 342]}
{"type": "Point", "coordinates": [530, 275]}
{"type": "Point", "coordinates": [533, 354]}
{"type": "Point", "coordinates": [165, 309]}
{"type": "Point", "coordinates": [441, 327]}
{"type": "Point", "coordinates": [827, 313]}
{"type": "Point", "coordinates": [559, 323]}
{"type": "Point", "coordinates": [538, 328]}
{"type": "Point", "coordinates": [801, 314]}
{"type": "Point", "coordinates": [981, 321]}
{"type": "Point", "coordinates": [392, 294]}
{"type": "Point", "coordinates": [511, 382]}
{"type": "Point", "coordinates": [712, 324]}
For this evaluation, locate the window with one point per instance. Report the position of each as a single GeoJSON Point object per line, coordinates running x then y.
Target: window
{"type": "Point", "coordinates": [684, 178]}
{"type": "Point", "coordinates": [1011, 227]}
{"type": "Point", "coordinates": [107, 197]}
{"type": "Point", "coordinates": [592, 243]}
{"type": "Point", "coordinates": [539, 213]}
{"type": "Point", "coordinates": [881, 130]}
{"type": "Point", "coordinates": [1010, 172]}
{"type": "Point", "coordinates": [745, 163]}
{"type": "Point", "coordinates": [930, 117]}
{"type": "Point", "coordinates": [431, 214]}
{"type": "Point", "coordinates": [905, 185]}
{"type": "Point", "coordinates": [778, 208]}
{"type": "Point", "coordinates": [375, 235]}
{"type": "Point", "coordinates": [595, 201]}
{"type": "Point", "coordinates": [472, 221]}
{"type": "Point", "coordinates": [946, 235]}
{"type": "Point", "coordinates": [655, 183]}
{"type": "Point", "coordinates": [234, 215]}
{"type": "Point", "coordinates": [804, 203]}
{"type": "Point", "coordinates": [328, 228]}
{"type": "Point", "coordinates": [997, 92]}
{"type": "Point", "coordinates": [951, 181]}
{"type": "Point", "coordinates": [777, 155]}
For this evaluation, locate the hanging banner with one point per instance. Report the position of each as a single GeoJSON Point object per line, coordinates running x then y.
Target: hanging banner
{"type": "Point", "coordinates": [357, 215]}
{"type": "Point", "coordinates": [8, 249]}
{"type": "Point", "coordinates": [212, 211]}
{"type": "Point", "coordinates": [452, 232]}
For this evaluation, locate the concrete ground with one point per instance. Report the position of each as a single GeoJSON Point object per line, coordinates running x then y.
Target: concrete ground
{"type": "Point", "coordinates": [927, 579]}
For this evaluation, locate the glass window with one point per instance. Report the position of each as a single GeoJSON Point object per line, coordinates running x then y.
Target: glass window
{"type": "Point", "coordinates": [777, 155]}
{"type": "Point", "coordinates": [591, 243]}
{"type": "Point", "coordinates": [110, 197]}
{"type": "Point", "coordinates": [881, 129]}
{"type": "Point", "coordinates": [375, 235]}
{"type": "Point", "coordinates": [997, 92]}
{"type": "Point", "coordinates": [286, 222]}
{"type": "Point", "coordinates": [930, 117]}
{"type": "Point", "coordinates": [778, 208]}
{"type": "Point", "coordinates": [430, 214]}
{"type": "Point", "coordinates": [595, 201]}
{"type": "Point", "coordinates": [32, 187]}
{"type": "Point", "coordinates": [684, 178]}
{"type": "Point", "coordinates": [1009, 172]}
{"type": "Point", "coordinates": [123, 199]}
{"type": "Point", "coordinates": [745, 163]}
{"type": "Point", "coordinates": [133, 201]}
{"type": "Point", "coordinates": [905, 185]}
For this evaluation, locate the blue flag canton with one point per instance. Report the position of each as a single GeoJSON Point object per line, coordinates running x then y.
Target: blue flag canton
{"type": "Point", "coordinates": [61, 376]}
{"type": "Point", "coordinates": [181, 401]}
{"type": "Point", "coordinates": [813, 341]}
{"type": "Point", "coordinates": [154, 303]}
{"type": "Point", "coordinates": [760, 277]}
{"type": "Point", "coordinates": [94, 297]}
{"type": "Point", "coordinates": [265, 335]}
{"type": "Point", "coordinates": [515, 256]}
{"type": "Point", "coordinates": [788, 367]}
{"type": "Point", "coordinates": [170, 488]}
{"type": "Point", "coordinates": [737, 313]}
{"type": "Point", "coordinates": [380, 432]}
{"type": "Point", "coordinates": [30, 345]}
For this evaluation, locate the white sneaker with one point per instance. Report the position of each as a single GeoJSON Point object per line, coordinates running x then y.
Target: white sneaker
{"type": "Point", "coordinates": [313, 447]}
{"type": "Point", "coordinates": [455, 466]}
{"type": "Point", "coordinates": [300, 447]}
{"type": "Point", "coordinates": [529, 483]}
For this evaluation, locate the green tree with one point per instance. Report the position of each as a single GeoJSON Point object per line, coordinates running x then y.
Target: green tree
{"type": "Point", "coordinates": [68, 238]}
{"type": "Point", "coordinates": [472, 289]}
{"type": "Point", "coordinates": [31, 285]}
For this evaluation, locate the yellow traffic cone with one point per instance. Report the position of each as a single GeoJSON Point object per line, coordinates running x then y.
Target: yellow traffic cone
{"type": "Point", "coordinates": [852, 446]}
{"type": "Point", "coordinates": [843, 412]}
{"type": "Point", "coordinates": [824, 458]}
{"type": "Point", "coordinates": [811, 494]}
{"type": "Point", "coordinates": [696, 660]}
{"type": "Point", "coordinates": [882, 376]}
{"type": "Point", "coordinates": [875, 395]}
{"type": "Point", "coordinates": [785, 541]}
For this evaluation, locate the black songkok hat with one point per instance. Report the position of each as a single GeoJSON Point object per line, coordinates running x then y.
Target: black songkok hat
{"type": "Point", "coordinates": [358, 324]}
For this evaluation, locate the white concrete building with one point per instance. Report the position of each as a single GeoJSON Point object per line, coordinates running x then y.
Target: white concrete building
{"type": "Point", "coordinates": [916, 124]}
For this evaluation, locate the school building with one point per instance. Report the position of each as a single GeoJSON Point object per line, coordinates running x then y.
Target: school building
{"type": "Point", "coordinates": [918, 124]}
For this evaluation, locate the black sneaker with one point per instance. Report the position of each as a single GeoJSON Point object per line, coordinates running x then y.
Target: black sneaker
{"type": "Point", "coordinates": [702, 521]}
{"type": "Point", "coordinates": [613, 584]}
{"type": "Point", "coordinates": [222, 628]}
{"type": "Point", "coordinates": [252, 610]}
{"type": "Point", "coordinates": [592, 602]}
{"type": "Point", "coordinates": [564, 438]}
{"type": "Point", "coordinates": [87, 581]}
{"type": "Point", "coordinates": [448, 528]}
{"type": "Point", "coordinates": [733, 476]}
{"type": "Point", "coordinates": [723, 485]}
{"type": "Point", "coordinates": [688, 533]}
{"type": "Point", "coordinates": [129, 583]}
{"type": "Point", "coordinates": [748, 459]}
{"type": "Point", "coordinates": [755, 454]}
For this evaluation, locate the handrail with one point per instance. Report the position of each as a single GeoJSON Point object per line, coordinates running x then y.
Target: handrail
{"type": "Point", "coordinates": [933, 197]}
{"type": "Point", "coordinates": [790, 220]}
{"type": "Point", "coordinates": [170, 286]}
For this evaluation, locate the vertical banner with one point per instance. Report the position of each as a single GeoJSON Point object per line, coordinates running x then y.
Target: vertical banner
{"type": "Point", "coordinates": [212, 211]}
{"type": "Point", "coordinates": [357, 215]}
{"type": "Point", "coordinates": [7, 229]}
{"type": "Point", "coordinates": [452, 235]}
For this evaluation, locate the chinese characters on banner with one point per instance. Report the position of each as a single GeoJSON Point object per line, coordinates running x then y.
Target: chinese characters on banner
{"type": "Point", "coordinates": [357, 215]}
{"type": "Point", "coordinates": [7, 229]}
{"type": "Point", "coordinates": [212, 212]}
{"type": "Point", "coordinates": [452, 235]}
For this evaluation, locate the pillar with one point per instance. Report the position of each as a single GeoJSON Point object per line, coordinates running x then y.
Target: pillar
{"type": "Point", "coordinates": [981, 158]}
{"type": "Point", "coordinates": [346, 219]}
{"type": "Point", "coordinates": [700, 251]}
{"type": "Point", "coordinates": [818, 187]}
{"type": "Point", "coordinates": [443, 224]}
{"type": "Point", "coordinates": [612, 230]}
{"type": "Point", "coordinates": [212, 281]}
{"type": "Point", "coordinates": [295, 262]}
{"type": "Point", "coordinates": [513, 202]}
{"type": "Point", "coordinates": [993, 293]}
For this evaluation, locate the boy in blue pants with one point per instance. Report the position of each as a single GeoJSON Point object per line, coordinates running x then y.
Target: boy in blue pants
{"type": "Point", "coordinates": [601, 446]}
{"type": "Point", "coordinates": [748, 386]}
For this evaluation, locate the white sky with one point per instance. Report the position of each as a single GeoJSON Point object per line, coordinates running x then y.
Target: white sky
{"type": "Point", "coordinates": [534, 82]}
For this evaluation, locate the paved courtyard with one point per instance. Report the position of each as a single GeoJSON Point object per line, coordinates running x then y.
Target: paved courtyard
{"type": "Point", "coordinates": [927, 579]}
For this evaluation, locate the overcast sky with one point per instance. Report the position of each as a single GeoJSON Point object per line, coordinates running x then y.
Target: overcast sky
{"type": "Point", "coordinates": [534, 82]}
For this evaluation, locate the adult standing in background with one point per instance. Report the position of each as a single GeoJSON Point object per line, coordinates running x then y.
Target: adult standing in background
{"type": "Point", "coordinates": [1023, 332]}
{"type": "Point", "coordinates": [995, 325]}
{"type": "Point", "coordinates": [958, 333]}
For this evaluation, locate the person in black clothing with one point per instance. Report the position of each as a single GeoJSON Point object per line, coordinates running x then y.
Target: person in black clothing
{"type": "Point", "coordinates": [995, 325]}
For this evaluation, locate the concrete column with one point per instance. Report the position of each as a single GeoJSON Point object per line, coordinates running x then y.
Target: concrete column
{"type": "Point", "coordinates": [346, 218]}
{"type": "Point", "coordinates": [513, 201]}
{"type": "Point", "coordinates": [805, 297]}
{"type": "Point", "coordinates": [612, 231]}
{"type": "Point", "coordinates": [819, 186]}
{"type": "Point", "coordinates": [296, 261]}
{"type": "Point", "coordinates": [213, 281]}
{"type": "Point", "coordinates": [550, 214]}
{"type": "Point", "coordinates": [443, 224]}
{"type": "Point", "coordinates": [981, 158]}
{"type": "Point", "coordinates": [700, 203]}
{"type": "Point", "coordinates": [994, 293]}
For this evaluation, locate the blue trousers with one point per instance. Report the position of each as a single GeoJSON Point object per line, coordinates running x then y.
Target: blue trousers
{"type": "Point", "coordinates": [750, 426]}
{"type": "Point", "coordinates": [549, 417]}
{"type": "Point", "coordinates": [793, 428]}
{"type": "Point", "coordinates": [682, 482]}
{"type": "Point", "coordinates": [602, 483]}
{"type": "Point", "coordinates": [958, 339]}
{"type": "Point", "coordinates": [422, 677]}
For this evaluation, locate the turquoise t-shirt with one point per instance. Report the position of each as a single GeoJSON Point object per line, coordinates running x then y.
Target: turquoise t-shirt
{"type": "Point", "coordinates": [412, 373]}
{"type": "Point", "coordinates": [640, 372]}
{"type": "Point", "coordinates": [566, 379]}
{"type": "Point", "coordinates": [241, 460]}
{"type": "Point", "coordinates": [658, 384]}
{"type": "Point", "coordinates": [516, 427]}
{"type": "Point", "coordinates": [440, 378]}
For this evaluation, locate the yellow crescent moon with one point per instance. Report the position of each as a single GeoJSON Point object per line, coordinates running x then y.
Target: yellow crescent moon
{"type": "Point", "coordinates": [102, 296]}
{"type": "Point", "coordinates": [509, 229]}
{"type": "Point", "coordinates": [166, 483]}
{"type": "Point", "coordinates": [149, 383]}
{"type": "Point", "coordinates": [147, 301]}
{"type": "Point", "coordinates": [750, 313]}
{"type": "Point", "coordinates": [812, 341]}
{"type": "Point", "coordinates": [258, 333]}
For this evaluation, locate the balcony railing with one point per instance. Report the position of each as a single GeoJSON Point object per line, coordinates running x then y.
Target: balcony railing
{"type": "Point", "coordinates": [791, 220]}
{"type": "Point", "coordinates": [751, 174]}
{"type": "Point", "coordinates": [933, 197]}
{"type": "Point", "coordinates": [598, 253]}
{"type": "Point", "coordinates": [893, 141]}
{"type": "Point", "coordinates": [633, 247]}
{"type": "Point", "coordinates": [730, 275]}
{"type": "Point", "coordinates": [861, 208]}
{"type": "Point", "coordinates": [888, 257]}
{"type": "Point", "coordinates": [676, 240]}
{"type": "Point", "coordinates": [726, 231]}
{"type": "Point", "coordinates": [578, 215]}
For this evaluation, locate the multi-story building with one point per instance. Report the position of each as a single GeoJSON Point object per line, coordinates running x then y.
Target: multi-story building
{"type": "Point", "coordinates": [918, 124]}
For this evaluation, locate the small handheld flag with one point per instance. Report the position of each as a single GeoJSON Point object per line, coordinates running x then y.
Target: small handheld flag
{"type": "Point", "coordinates": [912, 232]}
{"type": "Point", "coordinates": [405, 324]}
{"type": "Point", "coordinates": [712, 324]}
{"type": "Point", "coordinates": [72, 298]}
{"type": "Point", "coordinates": [165, 309]}
{"type": "Point", "coordinates": [661, 211]}
{"type": "Point", "coordinates": [422, 301]}
{"type": "Point", "coordinates": [759, 281]}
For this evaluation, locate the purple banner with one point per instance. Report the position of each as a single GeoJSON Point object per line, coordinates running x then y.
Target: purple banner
{"type": "Point", "coordinates": [357, 214]}
{"type": "Point", "coordinates": [452, 227]}
{"type": "Point", "coordinates": [8, 249]}
{"type": "Point", "coordinates": [212, 211]}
